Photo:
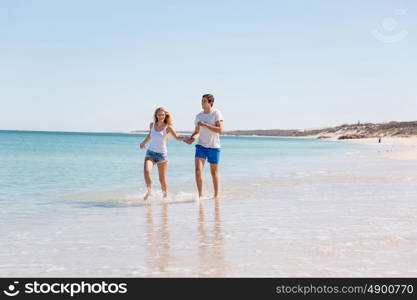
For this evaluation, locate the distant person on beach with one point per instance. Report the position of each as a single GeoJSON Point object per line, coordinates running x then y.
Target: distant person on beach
{"type": "Point", "coordinates": [208, 127]}
{"type": "Point", "coordinates": [379, 140]}
{"type": "Point", "coordinates": [157, 153]}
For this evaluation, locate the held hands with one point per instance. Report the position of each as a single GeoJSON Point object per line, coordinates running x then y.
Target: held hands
{"type": "Point", "coordinates": [188, 140]}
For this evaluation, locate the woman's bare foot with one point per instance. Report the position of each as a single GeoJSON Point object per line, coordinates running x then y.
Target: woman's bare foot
{"type": "Point", "coordinates": [147, 196]}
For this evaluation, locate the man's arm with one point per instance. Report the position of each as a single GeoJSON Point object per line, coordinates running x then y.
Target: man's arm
{"type": "Point", "coordinates": [195, 134]}
{"type": "Point", "coordinates": [218, 126]}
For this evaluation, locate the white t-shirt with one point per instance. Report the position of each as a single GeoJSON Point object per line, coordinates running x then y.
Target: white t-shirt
{"type": "Point", "coordinates": [158, 140]}
{"type": "Point", "coordinates": [208, 138]}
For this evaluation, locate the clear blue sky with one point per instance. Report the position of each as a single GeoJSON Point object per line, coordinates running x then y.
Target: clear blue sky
{"type": "Point", "coordinates": [106, 65]}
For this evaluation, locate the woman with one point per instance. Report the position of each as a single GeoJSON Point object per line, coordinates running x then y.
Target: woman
{"type": "Point", "coordinates": [160, 130]}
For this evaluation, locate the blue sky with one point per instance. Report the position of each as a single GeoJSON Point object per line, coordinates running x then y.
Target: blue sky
{"type": "Point", "coordinates": [106, 65]}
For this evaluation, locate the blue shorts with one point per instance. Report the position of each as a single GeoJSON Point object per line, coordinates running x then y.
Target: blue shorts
{"type": "Point", "coordinates": [211, 154]}
{"type": "Point", "coordinates": [156, 156]}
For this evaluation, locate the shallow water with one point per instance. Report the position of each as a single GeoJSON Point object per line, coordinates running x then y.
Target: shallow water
{"type": "Point", "coordinates": [70, 205]}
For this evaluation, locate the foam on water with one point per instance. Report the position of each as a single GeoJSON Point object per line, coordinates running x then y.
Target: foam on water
{"type": "Point", "coordinates": [125, 198]}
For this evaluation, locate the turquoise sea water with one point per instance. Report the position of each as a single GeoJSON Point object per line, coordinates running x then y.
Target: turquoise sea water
{"type": "Point", "coordinates": [71, 205]}
{"type": "Point", "coordinates": [44, 165]}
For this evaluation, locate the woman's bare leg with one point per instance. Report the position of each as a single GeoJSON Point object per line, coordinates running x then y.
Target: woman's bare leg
{"type": "Point", "coordinates": [162, 169]}
{"type": "Point", "coordinates": [147, 169]}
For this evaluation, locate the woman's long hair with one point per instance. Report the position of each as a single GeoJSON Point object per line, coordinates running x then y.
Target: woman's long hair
{"type": "Point", "coordinates": [168, 118]}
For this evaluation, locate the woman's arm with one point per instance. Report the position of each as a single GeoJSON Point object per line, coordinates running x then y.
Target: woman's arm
{"type": "Point", "coordinates": [172, 131]}
{"type": "Point", "coordinates": [147, 138]}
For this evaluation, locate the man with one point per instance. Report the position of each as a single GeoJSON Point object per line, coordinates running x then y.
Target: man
{"type": "Point", "coordinates": [208, 127]}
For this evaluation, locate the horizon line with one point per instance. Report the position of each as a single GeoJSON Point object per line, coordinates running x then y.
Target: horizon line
{"type": "Point", "coordinates": [136, 131]}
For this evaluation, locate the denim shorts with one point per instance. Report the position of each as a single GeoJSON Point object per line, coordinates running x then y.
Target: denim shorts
{"type": "Point", "coordinates": [211, 154]}
{"type": "Point", "coordinates": [156, 156]}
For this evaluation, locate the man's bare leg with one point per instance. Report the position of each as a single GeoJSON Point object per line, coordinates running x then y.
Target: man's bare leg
{"type": "Point", "coordinates": [199, 164]}
{"type": "Point", "coordinates": [215, 176]}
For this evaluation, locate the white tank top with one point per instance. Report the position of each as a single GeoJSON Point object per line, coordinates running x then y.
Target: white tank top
{"type": "Point", "coordinates": [158, 140]}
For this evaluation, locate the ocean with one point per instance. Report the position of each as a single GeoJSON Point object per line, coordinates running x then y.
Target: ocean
{"type": "Point", "coordinates": [71, 205]}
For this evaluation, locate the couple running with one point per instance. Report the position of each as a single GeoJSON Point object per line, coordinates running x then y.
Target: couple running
{"type": "Point", "coordinates": [208, 127]}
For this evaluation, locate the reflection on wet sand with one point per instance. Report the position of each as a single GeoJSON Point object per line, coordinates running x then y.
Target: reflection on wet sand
{"type": "Point", "coordinates": [158, 241]}
{"type": "Point", "coordinates": [207, 249]}
{"type": "Point", "coordinates": [211, 244]}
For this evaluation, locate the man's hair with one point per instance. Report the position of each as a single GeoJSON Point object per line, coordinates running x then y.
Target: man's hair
{"type": "Point", "coordinates": [210, 98]}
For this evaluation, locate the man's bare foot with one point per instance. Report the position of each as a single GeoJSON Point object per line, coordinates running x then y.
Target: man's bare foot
{"type": "Point", "coordinates": [165, 195]}
{"type": "Point", "coordinates": [216, 197]}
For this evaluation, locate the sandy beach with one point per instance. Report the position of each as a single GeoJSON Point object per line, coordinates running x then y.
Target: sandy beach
{"type": "Point", "coordinates": [401, 148]}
